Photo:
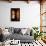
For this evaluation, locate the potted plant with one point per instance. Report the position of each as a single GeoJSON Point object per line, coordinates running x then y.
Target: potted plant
{"type": "Point", "coordinates": [37, 33]}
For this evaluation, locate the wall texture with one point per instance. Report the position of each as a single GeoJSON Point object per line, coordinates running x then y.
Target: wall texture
{"type": "Point", "coordinates": [29, 14]}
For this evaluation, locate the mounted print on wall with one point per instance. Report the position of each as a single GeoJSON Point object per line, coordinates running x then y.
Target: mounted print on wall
{"type": "Point", "coordinates": [15, 14]}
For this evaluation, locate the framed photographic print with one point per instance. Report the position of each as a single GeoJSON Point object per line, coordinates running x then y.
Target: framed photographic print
{"type": "Point", "coordinates": [15, 14]}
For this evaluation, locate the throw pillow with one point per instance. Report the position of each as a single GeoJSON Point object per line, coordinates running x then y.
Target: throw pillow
{"type": "Point", "coordinates": [17, 30]}
{"type": "Point", "coordinates": [24, 30]}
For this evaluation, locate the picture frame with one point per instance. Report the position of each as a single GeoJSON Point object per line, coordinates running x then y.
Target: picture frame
{"type": "Point", "coordinates": [15, 14]}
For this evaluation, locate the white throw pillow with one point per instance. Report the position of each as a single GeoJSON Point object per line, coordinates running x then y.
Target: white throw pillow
{"type": "Point", "coordinates": [6, 32]}
{"type": "Point", "coordinates": [23, 31]}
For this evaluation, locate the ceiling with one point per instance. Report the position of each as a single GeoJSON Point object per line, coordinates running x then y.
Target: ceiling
{"type": "Point", "coordinates": [24, 0]}
{"type": "Point", "coordinates": [20, 0]}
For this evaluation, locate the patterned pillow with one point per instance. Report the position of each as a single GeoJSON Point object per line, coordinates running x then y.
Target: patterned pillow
{"type": "Point", "coordinates": [17, 30]}
{"type": "Point", "coordinates": [11, 30]}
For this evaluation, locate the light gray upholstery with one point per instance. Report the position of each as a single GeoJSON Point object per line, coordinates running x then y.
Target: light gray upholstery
{"type": "Point", "coordinates": [22, 38]}
{"type": "Point", "coordinates": [18, 36]}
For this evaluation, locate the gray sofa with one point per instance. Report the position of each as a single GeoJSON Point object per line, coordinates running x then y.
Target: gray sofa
{"type": "Point", "coordinates": [17, 35]}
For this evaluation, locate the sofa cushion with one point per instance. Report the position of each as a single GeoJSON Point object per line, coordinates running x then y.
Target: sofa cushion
{"type": "Point", "coordinates": [17, 30]}
{"type": "Point", "coordinates": [24, 30]}
{"type": "Point", "coordinates": [11, 30]}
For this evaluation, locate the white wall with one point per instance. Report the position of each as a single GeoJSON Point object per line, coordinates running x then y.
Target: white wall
{"type": "Point", "coordinates": [29, 14]}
